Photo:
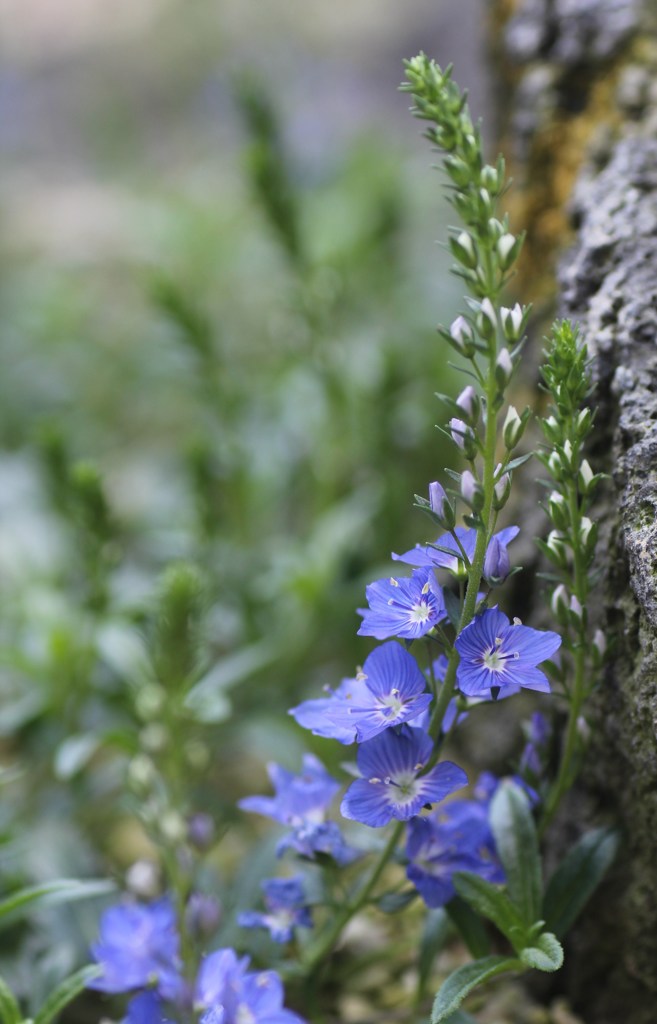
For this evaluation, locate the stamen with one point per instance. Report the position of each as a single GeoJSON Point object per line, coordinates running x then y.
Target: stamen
{"type": "Point", "coordinates": [498, 641]}
{"type": "Point", "coordinates": [426, 588]}
{"type": "Point", "coordinates": [417, 766]}
{"type": "Point", "coordinates": [516, 654]}
{"type": "Point", "coordinates": [394, 582]}
{"type": "Point", "coordinates": [517, 621]}
{"type": "Point", "coordinates": [374, 780]}
{"type": "Point", "coordinates": [395, 692]}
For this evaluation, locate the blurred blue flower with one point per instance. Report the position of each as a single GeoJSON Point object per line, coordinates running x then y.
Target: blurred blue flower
{"type": "Point", "coordinates": [146, 1008]}
{"type": "Point", "coordinates": [391, 786]}
{"type": "Point", "coordinates": [227, 994]}
{"type": "Point", "coordinates": [498, 657]}
{"type": "Point", "coordinates": [390, 690]}
{"type": "Point", "coordinates": [287, 909]}
{"type": "Point", "coordinates": [457, 837]}
{"type": "Point", "coordinates": [407, 607]}
{"type": "Point", "coordinates": [300, 798]}
{"type": "Point", "coordinates": [138, 948]}
{"type": "Point", "coordinates": [312, 838]}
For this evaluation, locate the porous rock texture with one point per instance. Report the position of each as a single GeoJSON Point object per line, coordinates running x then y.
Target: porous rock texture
{"type": "Point", "coordinates": [598, 63]}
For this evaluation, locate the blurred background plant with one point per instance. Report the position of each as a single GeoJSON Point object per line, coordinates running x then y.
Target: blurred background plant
{"type": "Point", "coordinates": [218, 268]}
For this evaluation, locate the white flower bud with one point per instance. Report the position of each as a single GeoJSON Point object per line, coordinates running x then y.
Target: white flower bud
{"type": "Point", "coordinates": [555, 467]}
{"type": "Point", "coordinates": [464, 250]}
{"type": "Point", "coordinates": [502, 489]}
{"type": "Point", "coordinates": [471, 491]}
{"type": "Point", "coordinates": [576, 607]}
{"type": "Point", "coordinates": [468, 401]}
{"type": "Point", "coordinates": [173, 827]}
{"type": "Point", "coordinates": [585, 528]}
{"type": "Point", "coordinates": [585, 477]}
{"type": "Point", "coordinates": [462, 336]}
{"type": "Point", "coordinates": [512, 320]}
{"type": "Point", "coordinates": [513, 428]}
{"type": "Point", "coordinates": [559, 602]}
{"type": "Point", "coordinates": [505, 246]}
{"type": "Point", "coordinates": [487, 320]}
{"type": "Point", "coordinates": [503, 368]}
{"type": "Point", "coordinates": [599, 642]}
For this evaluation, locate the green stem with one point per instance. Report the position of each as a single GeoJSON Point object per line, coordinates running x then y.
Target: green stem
{"type": "Point", "coordinates": [325, 943]}
{"type": "Point", "coordinates": [578, 691]}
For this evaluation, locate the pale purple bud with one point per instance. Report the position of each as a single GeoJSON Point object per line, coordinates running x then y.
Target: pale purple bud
{"type": "Point", "coordinates": [471, 491]}
{"type": "Point", "coordinates": [200, 831]}
{"type": "Point", "coordinates": [437, 497]}
{"type": "Point", "coordinates": [513, 428]}
{"type": "Point", "coordinates": [575, 607]}
{"type": "Point", "coordinates": [202, 915]}
{"type": "Point", "coordinates": [496, 562]}
{"type": "Point", "coordinates": [458, 430]}
{"type": "Point", "coordinates": [559, 602]}
{"type": "Point", "coordinates": [503, 367]}
{"type": "Point", "coordinates": [468, 401]}
{"type": "Point", "coordinates": [512, 321]}
{"type": "Point", "coordinates": [502, 488]}
{"type": "Point", "coordinates": [600, 642]}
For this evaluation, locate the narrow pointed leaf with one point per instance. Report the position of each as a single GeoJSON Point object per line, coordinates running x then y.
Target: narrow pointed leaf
{"type": "Point", "coordinates": [9, 1009]}
{"type": "Point", "coordinates": [459, 984]}
{"type": "Point", "coordinates": [577, 877]}
{"type": "Point", "coordinates": [66, 992]}
{"type": "Point", "coordinates": [63, 890]}
{"type": "Point", "coordinates": [491, 901]}
{"type": "Point", "coordinates": [434, 935]}
{"type": "Point", "coordinates": [470, 927]}
{"type": "Point", "coordinates": [517, 845]}
{"type": "Point", "coordinates": [545, 955]}
{"type": "Point", "coordinates": [392, 902]}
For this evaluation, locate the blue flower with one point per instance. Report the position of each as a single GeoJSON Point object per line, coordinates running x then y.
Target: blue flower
{"type": "Point", "coordinates": [301, 802]}
{"type": "Point", "coordinates": [287, 909]}
{"type": "Point", "coordinates": [457, 837]}
{"type": "Point", "coordinates": [391, 786]}
{"type": "Point", "coordinates": [316, 714]}
{"type": "Point", "coordinates": [498, 657]}
{"type": "Point", "coordinates": [300, 798]}
{"type": "Point", "coordinates": [229, 994]}
{"type": "Point", "coordinates": [138, 948]}
{"type": "Point", "coordinates": [407, 607]}
{"type": "Point", "coordinates": [390, 690]}
{"type": "Point", "coordinates": [451, 557]}
{"type": "Point", "coordinates": [312, 838]}
{"type": "Point", "coordinates": [146, 1008]}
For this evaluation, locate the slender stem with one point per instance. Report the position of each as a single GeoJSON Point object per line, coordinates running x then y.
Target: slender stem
{"type": "Point", "coordinates": [326, 942]}
{"type": "Point", "coordinates": [578, 691]}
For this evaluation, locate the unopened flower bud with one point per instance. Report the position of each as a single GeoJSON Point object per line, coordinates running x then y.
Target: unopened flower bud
{"type": "Point", "coordinates": [172, 827]}
{"type": "Point", "coordinates": [490, 179]}
{"type": "Point", "coordinates": [559, 604]}
{"type": "Point", "coordinates": [575, 607]}
{"type": "Point", "coordinates": [200, 831]}
{"type": "Point", "coordinates": [143, 879]}
{"type": "Point", "coordinates": [567, 457]}
{"type": "Point", "coordinates": [202, 915]}
{"type": "Point", "coordinates": [496, 563]}
{"type": "Point", "coordinates": [487, 320]}
{"type": "Point", "coordinates": [468, 402]}
{"type": "Point", "coordinates": [502, 489]}
{"type": "Point", "coordinates": [507, 249]}
{"type": "Point", "coordinates": [503, 368]}
{"type": "Point", "coordinates": [583, 729]}
{"type": "Point", "coordinates": [457, 169]}
{"type": "Point", "coordinates": [512, 321]}
{"type": "Point", "coordinates": [463, 436]}
{"type": "Point", "coordinates": [555, 466]}
{"type": "Point", "coordinates": [150, 701]}
{"type": "Point", "coordinates": [464, 250]}
{"type": "Point", "coordinates": [154, 737]}
{"type": "Point", "coordinates": [551, 429]}
{"type": "Point", "coordinates": [585, 477]}
{"type": "Point", "coordinates": [472, 491]}
{"type": "Point", "coordinates": [558, 510]}
{"type": "Point", "coordinates": [462, 336]}
{"type": "Point", "coordinates": [600, 642]}
{"type": "Point", "coordinates": [441, 506]}
{"type": "Point", "coordinates": [513, 428]}
{"type": "Point", "coordinates": [485, 202]}
{"type": "Point", "coordinates": [583, 423]}
{"type": "Point", "coordinates": [557, 548]}
{"type": "Point", "coordinates": [585, 529]}
{"type": "Point", "coordinates": [141, 774]}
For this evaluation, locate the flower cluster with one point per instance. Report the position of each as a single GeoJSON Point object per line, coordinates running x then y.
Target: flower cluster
{"type": "Point", "coordinates": [138, 952]}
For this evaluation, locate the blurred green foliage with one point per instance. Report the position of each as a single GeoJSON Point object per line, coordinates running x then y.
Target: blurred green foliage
{"type": "Point", "coordinates": [242, 387]}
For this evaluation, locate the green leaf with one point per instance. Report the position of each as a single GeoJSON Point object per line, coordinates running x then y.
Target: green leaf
{"type": "Point", "coordinates": [459, 984]}
{"type": "Point", "coordinates": [434, 935]}
{"type": "Point", "coordinates": [517, 845]}
{"type": "Point", "coordinates": [577, 877]}
{"type": "Point", "coordinates": [470, 927]}
{"type": "Point", "coordinates": [392, 902]}
{"type": "Point", "coordinates": [63, 890]}
{"type": "Point", "coordinates": [452, 607]}
{"type": "Point", "coordinates": [520, 461]}
{"type": "Point", "coordinates": [66, 992]}
{"type": "Point", "coordinates": [491, 901]}
{"type": "Point", "coordinates": [10, 1012]}
{"type": "Point", "coordinates": [546, 955]}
